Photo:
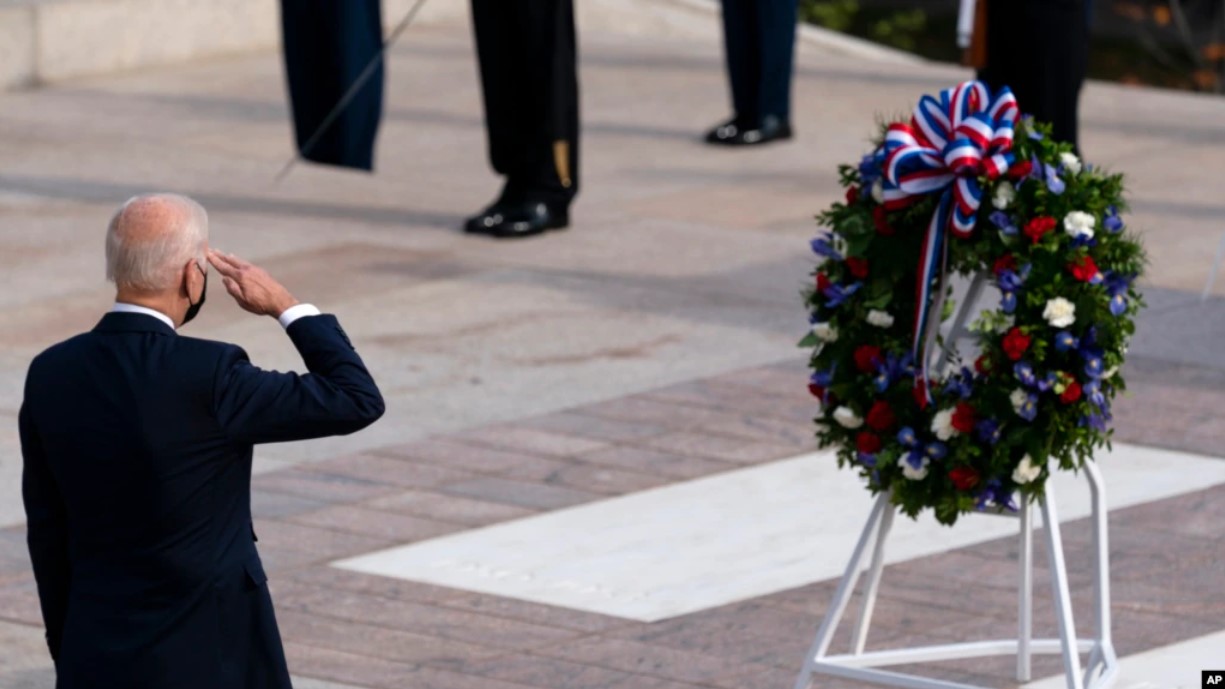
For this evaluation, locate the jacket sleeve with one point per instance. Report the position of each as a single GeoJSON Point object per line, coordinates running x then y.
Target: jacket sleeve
{"type": "Point", "coordinates": [46, 531]}
{"type": "Point", "coordinates": [338, 396]}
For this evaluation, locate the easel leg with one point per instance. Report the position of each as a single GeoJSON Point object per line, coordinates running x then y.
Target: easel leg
{"type": "Point", "coordinates": [846, 587]}
{"type": "Point", "coordinates": [869, 595]}
{"type": "Point", "coordinates": [1025, 606]}
{"type": "Point", "coordinates": [1063, 598]}
{"type": "Point", "coordinates": [1103, 649]}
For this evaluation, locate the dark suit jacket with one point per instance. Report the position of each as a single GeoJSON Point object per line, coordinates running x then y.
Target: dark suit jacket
{"type": "Point", "coordinates": [137, 447]}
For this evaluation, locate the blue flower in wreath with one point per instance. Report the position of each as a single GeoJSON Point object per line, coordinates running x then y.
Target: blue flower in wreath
{"type": "Point", "coordinates": [867, 460]}
{"type": "Point", "coordinates": [1065, 341]}
{"type": "Point", "coordinates": [907, 438]}
{"type": "Point", "coordinates": [824, 246]}
{"type": "Point", "coordinates": [989, 431]}
{"type": "Point", "coordinates": [1024, 372]}
{"type": "Point", "coordinates": [1047, 382]}
{"type": "Point", "coordinates": [1004, 222]}
{"type": "Point", "coordinates": [836, 295]}
{"type": "Point", "coordinates": [936, 450]}
{"type": "Point", "coordinates": [1097, 422]}
{"type": "Point", "coordinates": [1009, 281]}
{"type": "Point", "coordinates": [1113, 223]}
{"type": "Point", "coordinates": [1083, 240]}
{"type": "Point", "coordinates": [961, 384]}
{"type": "Point", "coordinates": [918, 451]}
{"type": "Point", "coordinates": [1117, 287]}
{"type": "Point", "coordinates": [1028, 409]}
{"type": "Point", "coordinates": [1094, 366]}
{"type": "Point", "coordinates": [1053, 181]}
{"type": "Point", "coordinates": [892, 369]}
{"type": "Point", "coordinates": [994, 493]}
{"type": "Point", "coordinates": [824, 378]}
{"type": "Point", "coordinates": [1093, 392]}
{"type": "Point", "coordinates": [871, 167]}
{"type": "Point", "coordinates": [1008, 302]}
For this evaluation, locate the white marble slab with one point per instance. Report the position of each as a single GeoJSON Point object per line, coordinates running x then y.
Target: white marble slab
{"type": "Point", "coordinates": [1176, 666]}
{"type": "Point", "coordinates": [747, 533]}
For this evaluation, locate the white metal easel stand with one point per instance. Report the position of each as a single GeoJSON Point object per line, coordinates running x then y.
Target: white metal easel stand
{"type": "Point", "coordinates": [859, 665]}
{"type": "Point", "coordinates": [1102, 667]}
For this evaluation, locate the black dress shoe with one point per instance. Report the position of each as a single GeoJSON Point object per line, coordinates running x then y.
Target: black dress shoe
{"type": "Point", "coordinates": [483, 222]}
{"type": "Point", "coordinates": [732, 134]}
{"type": "Point", "coordinates": [724, 132]}
{"type": "Point", "coordinates": [513, 220]}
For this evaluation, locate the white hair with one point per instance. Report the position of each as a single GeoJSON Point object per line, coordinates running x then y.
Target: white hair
{"type": "Point", "coordinates": [146, 246]}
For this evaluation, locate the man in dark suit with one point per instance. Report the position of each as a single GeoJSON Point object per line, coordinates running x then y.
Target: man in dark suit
{"type": "Point", "coordinates": [528, 55]}
{"type": "Point", "coordinates": [137, 447]}
{"type": "Point", "coordinates": [759, 37]}
{"type": "Point", "coordinates": [1040, 49]}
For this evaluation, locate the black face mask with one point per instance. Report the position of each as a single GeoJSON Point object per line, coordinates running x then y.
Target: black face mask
{"type": "Point", "coordinates": [194, 309]}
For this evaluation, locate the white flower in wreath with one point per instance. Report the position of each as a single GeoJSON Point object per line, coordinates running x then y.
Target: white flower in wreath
{"type": "Point", "coordinates": [881, 319]}
{"type": "Point", "coordinates": [1005, 323]}
{"type": "Point", "coordinates": [878, 191]}
{"type": "Point", "coordinates": [1079, 224]}
{"type": "Point", "coordinates": [912, 472]}
{"type": "Point", "coordinates": [1070, 162]}
{"type": "Point", "coordinates": [942, 424]}
{"type": "Point", "coordinates": [839, 243]}
{"type": "Point", "coordinates": [825, 332]}
{"type": "Point", "coordinates": [847, 418]}
{"type": "Point", "coordinates": [1019, 399]}
{"type": "Point", "coordinates": [1005, 194]}
{"type": "Point", "coordinates": [1026, 471]}
{"type": "Point", "coordinates": [1059, 312]}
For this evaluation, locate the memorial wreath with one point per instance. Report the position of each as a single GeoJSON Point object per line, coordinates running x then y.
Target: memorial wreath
{"type": "Point", "coordinates": [968, 187]}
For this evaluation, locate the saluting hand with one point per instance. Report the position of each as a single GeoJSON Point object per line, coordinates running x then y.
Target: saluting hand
{"type": "Point", "coordinates": [251, 286]}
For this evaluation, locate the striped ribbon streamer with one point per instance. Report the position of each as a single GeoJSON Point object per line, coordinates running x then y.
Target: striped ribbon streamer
{"type": "Point", "coordinates": [948, 146]}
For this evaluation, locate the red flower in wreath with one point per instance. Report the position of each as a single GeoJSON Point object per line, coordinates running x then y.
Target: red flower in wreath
{"type": "Point", "coordinates": [822, 282]}
{"type": "Point", "coordinates": [816, 390]}
{"type": "Point", "coordinates": [983, 365]}
{"type": "Point", "coordinates": [1005, 262]}
{"type": "Point", "coordinates": [1038, 228]}
{"type": "Point", "coordinates": [1071, 393]}
{"type": "Point", "coordinates": [868, 443]}
{"type": "Point", "coordinates": [852, 195]}
{"type": "Point", "coordinates": [964, 478]}
{"type": "Point", "coordinates": [1084, 269]}
{"type": "Point", "coordinates": [1021, 170]}
{"type": "Point", "coordinates": [858, 267]}
{"type": "Point", "coordinates": [880, 416]}
{"type": "Point", "coordinates": [881, 218]}
{"type": "Point", "coordinates": [1016, 343]}
{"type": "Point", "coordinates": [963, 417]}
{"type": "Point", "coordinates": [867, 358]}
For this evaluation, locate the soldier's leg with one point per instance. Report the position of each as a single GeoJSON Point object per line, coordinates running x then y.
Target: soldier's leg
{"type": "Point", "coordinates": [776, 25]}
{"type": "Point", "coordinates": [743, 54]}
{"type": "Point", "coordinates": [499, 50]}
{"type": "Point", "coordinates": [549, 169]}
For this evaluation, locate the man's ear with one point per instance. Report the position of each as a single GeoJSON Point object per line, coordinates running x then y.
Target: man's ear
{"type": "Point", "coordinates": [189, 274]}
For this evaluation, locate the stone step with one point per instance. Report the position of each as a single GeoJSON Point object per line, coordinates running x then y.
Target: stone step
{"type": "Point", "coordinates": [47, 41]}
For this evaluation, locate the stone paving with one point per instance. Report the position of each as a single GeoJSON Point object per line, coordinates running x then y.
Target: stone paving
{"type": "Point", "coordinates": [651, 344]}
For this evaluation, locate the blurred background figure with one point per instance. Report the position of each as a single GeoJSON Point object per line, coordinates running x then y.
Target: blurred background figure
{"type": "Point", "coordinates": [328, 44]}
{"type": "Point", "coordinates": [1040, 48]}
{"type": "Point", "coordinates": [759, 37]}
{"type": "Point", "coordinates": [528, 56]}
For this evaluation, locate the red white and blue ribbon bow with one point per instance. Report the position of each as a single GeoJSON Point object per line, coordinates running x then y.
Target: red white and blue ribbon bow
{"type": "Point", "coordinates": [947, 146]}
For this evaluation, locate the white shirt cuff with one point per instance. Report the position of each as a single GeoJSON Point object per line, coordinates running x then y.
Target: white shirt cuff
{"type": "Point", "coordinates": [293, 313]}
